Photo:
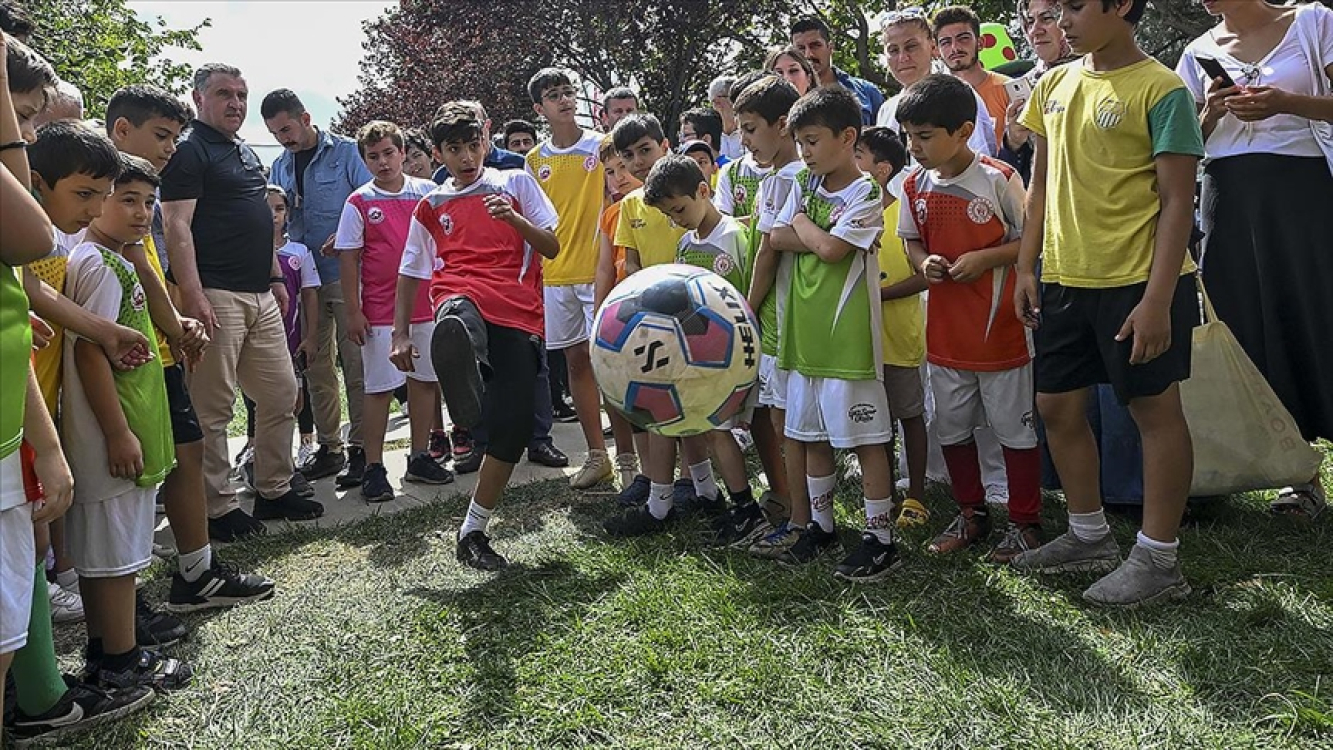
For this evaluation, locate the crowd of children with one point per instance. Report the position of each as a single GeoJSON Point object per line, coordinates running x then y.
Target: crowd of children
{"type": "Point", "coordinates": [833, 230]}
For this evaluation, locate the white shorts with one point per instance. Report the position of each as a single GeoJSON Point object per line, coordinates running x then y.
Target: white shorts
{"type": "Point", "coordinates": [380, 374]}
{"type": "Point", "coordinates": [18, 566]}
{"type": "Point", "coordinates": [112, 537]}
{"type": "Point", "coordinates": [569, 314]}
{"type": "Point", "coordinates": [842, 413]}
{"type": "Point", "coordinates": [772, 383]}
{"type": "Point", "coordinates": [966, 400]}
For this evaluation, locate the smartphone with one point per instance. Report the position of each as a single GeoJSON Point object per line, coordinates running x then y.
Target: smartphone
{"type": "Point", "coordinates": [1019, 88]}
{"type": "Point", "coordinates": [1215, 70]}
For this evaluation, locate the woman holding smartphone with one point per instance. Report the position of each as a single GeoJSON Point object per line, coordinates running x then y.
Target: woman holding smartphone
{"type": "Point", "coordinates": [1041, 26]}
{"type": "Point", "coordinates": [1267, 195]}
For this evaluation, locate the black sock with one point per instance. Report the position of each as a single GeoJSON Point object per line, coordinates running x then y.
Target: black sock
{"type": "Point", "coordinates": [121, 662]}
{"type": "Point", "coordinates": [743, 498]}
{"type": "Point", "coordinates": [93, 651]}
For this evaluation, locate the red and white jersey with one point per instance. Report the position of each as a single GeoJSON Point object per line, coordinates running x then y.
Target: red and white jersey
{"type": "Point", "coordinates": [456, 244]}
{"type": "Point", "coordinates": [376, 222]}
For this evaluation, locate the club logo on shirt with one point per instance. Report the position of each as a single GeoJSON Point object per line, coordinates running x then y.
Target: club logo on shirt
{"type": "Point", "coordinates": [590, 163]}
{"type": "Point", "coordinates": [138, 300]}
{"type": "Point", "coordinates": [919, 208]}
{"type": "Point", "coordinates": [862, 413]}
{"type": "Point", "coordinates": [637, 223]}
{"type": "Point", "coordinates": [375, 215]}
{"type": "Point", "coordinates": [740, 193]}
{"type": "Point", "coordinates": [980, 211]}
{"type": "Point", "coordinates": [1053, 106]}
{"type": "Point", "coordinates": [1109, 114]}
{"type": "Point", "coordinates": [447, 223]}
{"type": "Point", "coordinates": [544, 172]}
{"type": "Point", "coordinates": [1029, 421]}
{"type": "Point", "coordinates": [293, 262]}
{"type": "Point", "coordinates": [723, 264]}
{"type": "Point", "coordinates": [836, 214]}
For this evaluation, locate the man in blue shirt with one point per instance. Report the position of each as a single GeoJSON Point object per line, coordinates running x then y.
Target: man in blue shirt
{"type": "Point", "coordinates": [319, 171]}
{"type": "Point", "coordinates": [811, 37]}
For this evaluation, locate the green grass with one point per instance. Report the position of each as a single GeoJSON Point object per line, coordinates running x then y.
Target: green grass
{"type": "Point", "coordinates": [379, 639]}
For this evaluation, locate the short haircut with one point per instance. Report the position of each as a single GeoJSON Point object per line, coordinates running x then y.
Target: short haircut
{"type": "Point", "coordinates": [416, 138]}
{"type": "Point", "coordinates": [136, 169]}
{"type": "Point", "coordinates": [548, 78]}
{"type": "Point", "coordinates": [208, 70]}
{"type": "Point", "coordinates": [956, 14]}
{"type": "Point", "coordinates": [742, 83]}
{"type": "Point", "coordinates": [140, 102]}
{"type": "Point", "coordinates": [377, 130]}
{"type": "Point", "coordinates": [456, 122]}
{"type": "Point", "coordinates": [794, 54]}
{"type": "Point", "coordinates": [281, 100]}
{"type": "Point", "coordinates": [67, 147]}
{"type": "Point", "coordinates": [606, 150]}
{"type": "Point", "coordinates": [770, 97]}
{"type": "Point", "coordinates": [720, 86]}
{"type": "Point", "coordinates": [938, 100]}
{"type": "Point", "coordinates": [832, 107]}
{"type": "Point", "coordinates": [27, 70]}
{"type": "Point", "coordinates": [619, 92]}
{"type": "Point", "coordinates": [810, 23]}
{"type": "Point", "coordinates": [883, 145]}
{"type": "Point", "coordinates": [1136, 11]}
{"type": "Point", "coordinates": [519, 126]}
{"type": "Point", "coordinates": [14, 20]}
{"type": "Point", "coordinates": [706, 122]}
{"type": "Point", "coordinates": [633, 128]}
{"type": "Point", "coordinates": [909, 16]}
{"type": "Point", "coordinates": [673, 176]}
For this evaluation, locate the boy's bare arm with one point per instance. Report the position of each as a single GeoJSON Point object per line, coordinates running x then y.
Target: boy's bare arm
{"type": "Point", "coordinates": [52, 471]}
{"type": "Point", "coordinates": [830, 249]}
{"type": "Point", "coordinates": [605, 278]}
{"type": "Point", "coordinates": [908, 287]}
{"type": "Point", "coordinates": [765, 272]}
{"type": "Point", "coordinates": [1027, 300]}
{"type": "Point", "coordinates": [633, 263]}
{"type": "Point", "coordinates": [786, 240]}
{"type": "Point", "coordinates": [404, 352]}
{"type": "Point", "coordinates": [160, 307]}
{"type": "Point", "coordinates": [969, 266]}
{"type": "Point", "coordinates": [125, 347]}
{"type": "Point", "coordinates": [349, 265]}
{"type": "Point", "coordinates": [124, 456]}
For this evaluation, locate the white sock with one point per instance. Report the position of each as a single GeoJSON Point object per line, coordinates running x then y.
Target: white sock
{"type": "Point", "coordinates": [69, 580]}
{"type": "Point", "coordinates": [1164, 554]}
{"type": "Point", "coordinates": [476, 520]}
{"type": "Point", "coordinates": [193, 564]}
{"type": "Point", "coordinates": [1089, 527]}
{"type": "Point", "coordinates": [660, 500]}
{"type": "Point", "coordinates": [879, 519]}
{"type": "Point", "coordinates": [705, 486]}
{"type": "Point", "coordinates": [821, 500]}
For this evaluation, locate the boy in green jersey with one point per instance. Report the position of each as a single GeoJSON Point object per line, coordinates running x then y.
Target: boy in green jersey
{"type": "Point", "coordinates": [829, 339]}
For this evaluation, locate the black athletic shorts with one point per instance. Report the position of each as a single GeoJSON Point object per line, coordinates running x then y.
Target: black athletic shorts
{"type": "Point", "coordinates": [1076, 346]}
{"type": "Point", "coordinates": [184, 424]}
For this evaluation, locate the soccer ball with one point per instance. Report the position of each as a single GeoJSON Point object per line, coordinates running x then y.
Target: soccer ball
{"type": "Point", "coordinates": [676, 350]}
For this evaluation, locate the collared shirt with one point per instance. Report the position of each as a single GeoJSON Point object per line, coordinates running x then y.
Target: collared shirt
{"type": "Point", "coordinates": [232, 226]}
{"type": "Point", "coordinates": [869, 94]}
{"type": "Point", "coordinates": [496, 158]}
{"type": "Point", "coordinates": [334, 172]}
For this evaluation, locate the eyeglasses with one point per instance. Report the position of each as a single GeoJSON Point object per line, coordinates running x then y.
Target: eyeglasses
{"type": "Point", "coordinates": [893, 17]}
{"type": "Point", "coordinates": [557, 95]}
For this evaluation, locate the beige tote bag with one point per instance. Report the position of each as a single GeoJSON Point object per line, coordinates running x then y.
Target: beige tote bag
{"type": "Point", "coordinates": [1244, 438]}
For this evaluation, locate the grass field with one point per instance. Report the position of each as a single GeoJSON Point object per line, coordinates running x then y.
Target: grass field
{"type": "Point", "coordinates": [378, 639]}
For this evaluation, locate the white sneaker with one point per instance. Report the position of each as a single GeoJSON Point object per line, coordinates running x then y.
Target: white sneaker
{"type": "Point", "coordinates": [596, 469]}
{"type": "Point", "coordinates": [66, 606]}
{"type": "Point", "coordinates": [304, 452]}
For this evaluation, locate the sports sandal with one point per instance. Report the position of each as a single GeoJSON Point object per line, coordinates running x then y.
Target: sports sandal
{"type": "Point", "coordinates": [1306, 500]}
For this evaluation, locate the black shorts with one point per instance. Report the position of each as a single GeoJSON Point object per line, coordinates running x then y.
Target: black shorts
{"type": "Point", "coordinates": [1076, 346]}
{"type": "Point", "coordinates": [185, 427]}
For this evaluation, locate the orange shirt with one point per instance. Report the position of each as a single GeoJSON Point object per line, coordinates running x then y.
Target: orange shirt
{"type": "Point", "coordinates": [607, 224]}
{"type": "Point", "coordinates": [996, 97]}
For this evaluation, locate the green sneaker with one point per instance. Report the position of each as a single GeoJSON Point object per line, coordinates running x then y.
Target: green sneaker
{"type": "Point", "coordinates": [1139, 582]}
{"type": "Point", "coordinates": [1069, 554]}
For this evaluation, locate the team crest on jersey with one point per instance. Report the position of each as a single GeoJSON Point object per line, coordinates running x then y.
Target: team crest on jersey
{"type": "Point", "coordinates": [590, 163]}
{"type": "Point", "coordinates": [637, 223]}
{"type": "Point", "coordinates": [740, 193]}
{"type": "Point", "coordinates": [919, 207]}
{"type": "Point", "coordinates": [980, 211]}
{"type": "Point", "coordinates": [1109, 114]}
{"type": "Point", "coordinates": [447, 223]}
{"type": "Point", "coordinates": [723, 264]}
{"type": "Point", "coordinates": [544, 172]}
{"type": "Point", "coordinates": [138, 300]}
{"type": "Point", "coordinates": [293, 262]}
{"type": "Point", "coordinates": [836, 214]}
{"type": "Point", "coordinates": [375, 215]}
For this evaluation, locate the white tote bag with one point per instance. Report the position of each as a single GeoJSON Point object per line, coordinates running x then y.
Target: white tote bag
{"type": "Point", "coordinates": [1244, 438]}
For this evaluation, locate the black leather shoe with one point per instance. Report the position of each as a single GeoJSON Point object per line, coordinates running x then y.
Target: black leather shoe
{"type": "Point", "coordinates": [547, 454]}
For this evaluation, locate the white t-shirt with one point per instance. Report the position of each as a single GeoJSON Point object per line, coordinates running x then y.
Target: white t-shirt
{"type": "Point", "coordinates": [983, 134]}
{"type": "Point", "coordinates": [731, 145]}
{"type": "Point", "coordinates": [1286, 67]}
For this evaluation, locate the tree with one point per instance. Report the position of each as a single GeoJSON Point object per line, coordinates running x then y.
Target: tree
{"type": "Point", "coordinates": [101, 45]}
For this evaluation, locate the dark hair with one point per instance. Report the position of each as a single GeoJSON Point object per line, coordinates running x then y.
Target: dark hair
{"type": "Point", "coordinates": [619, 92]}
{"type": "Point", "coordinates": [832, 107]}
{"type": "Point", "coordinates": [796, 55]}
{"type": "Point", "coordinates": [1135, 13]}
{"type": "Point", "coordinates": [956, 14]}
{"type": "Point", "coordinates": [673, 176]}
{"type": "Point", "coordinates": [14, 20]}
{"type": "Point", "coordinates": [136, 169]}
{"type": "Point", "coordinates": [272, 189]}
{"type": "Point", "coordinates": [633, 128]}
{"type": "Point", "coordinates": [743, 82]}
{"type": "Point", "coordinates": [519, 126]}
{"type": "Point", "coordinates": [939, 100]}
{"type": "Point", "coordinates": [377, 130]}
{"type": "Point", "coordinates": [548, 78]}
{"type": "Point", "coordinates": [706, 122]}
{"type": "Point", "coordinates": [207, 71]}
{"type": "Point", "coordinates": [416, 138]}
{"type": "Point", "coordinates": [883, 145]}
{"type": "Point", "coordinates": [770, 97]}
{"type": "Point", "coordinates": [456, 123]}
{"type": "Point", "coordinates": [810, 23]}
{"type": "Point", "coordinates": [281, 100]}
{"type": "Point", "coordinates": [139, 103]}
{"type": "Point", "coordinates": [67, 147]}
{"type": "Point", "coordinates": [27, 70]}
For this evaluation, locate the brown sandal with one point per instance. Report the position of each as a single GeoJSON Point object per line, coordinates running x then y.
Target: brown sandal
{"type": "Point", "coordinates": [1307, 500]}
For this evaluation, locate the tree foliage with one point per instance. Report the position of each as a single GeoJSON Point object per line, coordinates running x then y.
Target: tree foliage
{"type": "Point", "coordinates": [101, 45]}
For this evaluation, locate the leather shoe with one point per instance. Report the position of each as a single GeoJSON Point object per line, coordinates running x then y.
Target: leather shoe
{"type": "Point", "coordinates": [547, 454]}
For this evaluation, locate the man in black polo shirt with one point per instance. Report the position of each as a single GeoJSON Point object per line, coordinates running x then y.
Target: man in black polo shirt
{"type": "Point", "coordinates": [220, 243]}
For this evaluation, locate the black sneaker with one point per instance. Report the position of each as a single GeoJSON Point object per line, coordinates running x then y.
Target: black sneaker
{"type": "Point", "coordinates": [356, 469]}
{"type": "Point", "coordinates": [422, 469]}
{"type": "Point", "coordinates": [456, 366]}
{"type": "Point", "coordinates": [872, 561]}
{"type": "Point", "coordinates": [813, 542]}
{"type": "Point", "coordinates": [638, 522]}
{"type": "Point", "coordinates": [301, 485]}
{"type": "Point", "coordinates": [324, 463]}
{"type": "Point", "coordinates": [289, 506]}
{"type": "Point", "coordinates": [702, 506]}
{"type": "Point", "coordinates": [440, 447]}
{"type": "Point", "coordinates": [220, 586]}
{"type": "Point", "coordinates": [375, 487]}
{"type": "Point", "coordinates": [152, 670]}
{"type": "Point", "coordinates": [561, 411]}
{"type": "Point", "coordinates": [636, 493]}
{"type": "Point", "coordinates": [81, 707]}
{"type": "Point", "coordinates": [469, 463]}
{"type": "Point", "coordinates": [741, 526]}
{"type": "Point", "coordinates": [234, 526]}
{"type": "Point", "coordinates": [474, 551]}
{"type": "Point", "coordinates": [682, 492]}
{"type": "Point", "coordinates": [154, 629]}
{"type": "Point", "coordinates": [547, 454]}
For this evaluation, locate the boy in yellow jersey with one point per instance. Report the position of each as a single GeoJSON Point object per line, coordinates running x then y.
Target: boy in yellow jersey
{"type": "Point", "coordinates": [568, 170]}
{"type": "Point", "coordinates": [880, 154]}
